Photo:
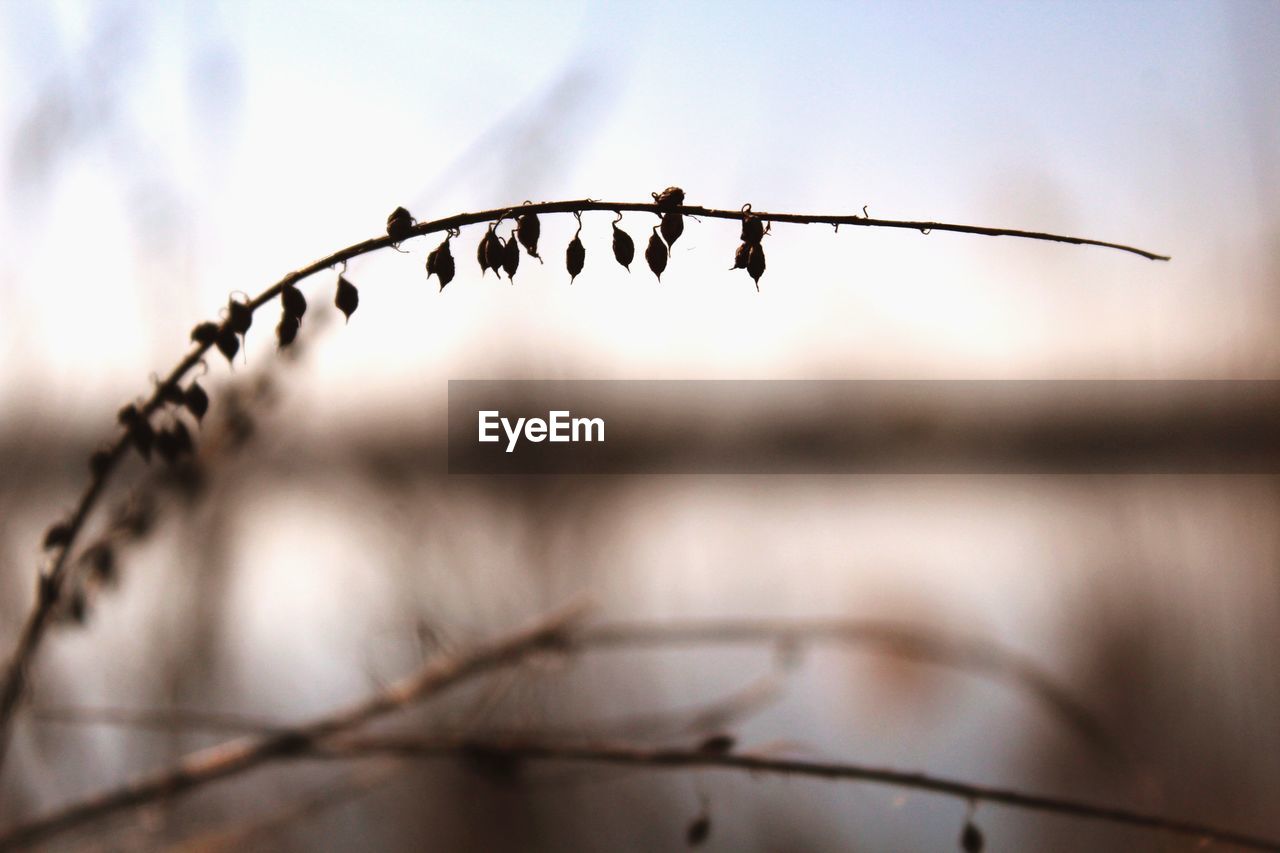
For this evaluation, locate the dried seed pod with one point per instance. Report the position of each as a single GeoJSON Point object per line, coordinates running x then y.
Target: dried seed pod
{"type": "Point", "coordinates": [494, 252]}
{"type": "Point", "coordinates": [286, 330]}
{"type": "Point", "coordinates": [440, 263]}
{"type": "Point", "coordinates": [528, 229]}
{"type": "Point", "coordinates": [99, 462]}
{"type": "Point", "coordinates": [671, 197]}
{"type": "Point", "coordinates": [205, 333]}
{"type": "Point", "coordinates": [170, 393]}
{"type": "Point", "coordinates": [228, 343]}
{"type": "Point", "coordinates": [399, 225]}
{"type": "Point", "coordinates": [239, 316]}
{"type": "Point", "coordinates": [672, 228]}
{"type": "Point", "coordinates": [101, 560]}
{"type": "Point", "coordinates": [511, 256]}
{"type": "Point", "coordinates": [698, 831]}
{"type": "Point", "coordinates": [57, 536]}
{"type": "Point", "coordinates": [718, 744]}
{"type": "Point", "coordinates": [971, 840]}
{"type": "Point", "coordinates": [166, 446]}
{"type": "Point", "coordinates": [293, 302]}
{"type": "Point", "coordinates": [574, 257]}
{"type": "Point", "coordinates": [182, 439]}
{"type": "Point", "coordinates": [143, 437]}
{"type": "Point", "coordinates": [752, 228]}
{"type": "Point", "coordinates": [740, 256]}
{"type": "Point", "coordinates": [624, 248]}
{"type": "Point", "coordinates": [196, 401]}
{"type": "Point", "coordinates": [78, 607]}
{"type": "Point", "coordinates": [755, 263]}
{"type": "Point", "coordinates": [656, 254]}
{"type": "Point", "coordinates": [482, 253]}
{"type": "Point", "coordinates": [347, 298]}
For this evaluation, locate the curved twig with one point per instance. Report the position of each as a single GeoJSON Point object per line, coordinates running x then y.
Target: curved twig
{"type": "Point", "coordinates": [245, 753]}
{"type": "Point", "coordinates": [52, 581]}
{"type": "Point", "coordinates": [622, 754]}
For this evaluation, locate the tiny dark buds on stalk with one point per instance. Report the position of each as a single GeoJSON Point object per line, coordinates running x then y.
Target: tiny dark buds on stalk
{"type": "Point", "coordinates": [171, 394]}
{"type": "Point", "coordinates": [99, 461]}
{"type": "Point", "coordinates": [511, 256]}
{"type": "Point", "coordinates": [576, 254]}
{"type": "Point", "coordinates": [721, 744]}
{"type": "Point", "coordinates": [971, 840]}
{"type": "Point", "coordinates": [752, 228]}
{"type": "Point", "coordinates": [624, 248]}
{"type": "Point", "coordinates": [698, 831]}
{"type": "Point", "coordinates": [139, 428]}
{"type": "Point", "coordinates": [293, 302]}
{"type": "Point", "coordinates": [656, 254]}
{"type": "Point", "coordinates": [57, 536]}
{"type": "Point", "coordinates": [669, 199]}
{"type": "Point", "coordinates": [196, 401]}
{"type": "Point", "coordinates": [528, 229]}
{"type": "Point", "coordinates": [399, 225]}
{"type": "Point", "coordinates": [205, 333]}
{"type": "Point", "coordinates": [239, 316]}
{"type": "Point", "coordinates": [347, 298]}
{"type": "Point", "coordinates": [755, 263]}
{"type": "Point", "coordinates": [228, 343]}
{"type": "Point", "coordinates": [287, 330]}
{"type": "Point", "coordinates": [493, 251]}
{"type": "Point", "coordinates": [672, 227]}
{"type": "Point", "coordinates": [440, 263]}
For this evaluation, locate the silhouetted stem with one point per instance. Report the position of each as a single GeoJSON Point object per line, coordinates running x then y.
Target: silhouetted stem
{"type": "Point", "coordinates": [245, 753]}
{"type": "Point", "coordinates": [50, 589]}
{"type": "Point", "coordinates": [621, 754]}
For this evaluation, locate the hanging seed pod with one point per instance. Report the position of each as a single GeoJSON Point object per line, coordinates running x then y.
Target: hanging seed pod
{"type": "Point", "coordinates": [752, 228]}
{"type": "Point", "coordinates": [239, 316]}
{"type": "Point", "coordinates": [228, 343]}
{"type": "Point", "coordinates": [78, 607]}
{"type": "Point", "coordinates": [170, 393]}
{"type": "Point", "coordinates": [57, 536]}
{"type": "Point", "coordinates": [482, 253]}
{"type": "Point", "coordinates": [494, 252]}
{"type": "Point", "coordinates": [196, 401]}
{"type": "Point", "coordinates": [99, 462]}
{"type": "Point", "coordinates": [399, 225]}
{"type": "Point", "coordinates": [101, 560]}
{"type": "Point", "coordinates": [698, 831]}
{"type": "Point", "coordinates": [511, 257]}
{"type": "Point", "coordinates": [971, 840]}
{"type": "Point", "coordinates": [293, 302]}
{"type": "Point", "coordinates": [286, 330]}
{"type": "Point", "coordinates": [205, 333]}
{"type": "Point", "coordinates": [528, 229]}
{"type": "Point", "coordinates": [656, 254]}
{"type": "Point", "coordinates": [755, 263]}
{"type": "Point", "coordinates": [143, 437]}
{"type": "Point", "coordinates": [740, 256]}
{"type": "Point", "coordinates": [574, 257]}
{"type": "Point", "coordinates": [182, 440]}
{"type": "Point", "coordinates": [442, 265]}
{"type": "Point", "coordinates": [670, 198]}
{"type": "Point", "coordinates": [166, 446]}
{"type": "Point", "coordinates": [624, 248]}
{"type": "Point", "coordinates": [672, 228]}
{"type": "Point", "coordinates": [721, 744]}
{"type": "Point", "coordinates": [347, 298]}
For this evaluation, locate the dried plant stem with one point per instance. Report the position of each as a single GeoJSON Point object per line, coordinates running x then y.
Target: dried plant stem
{"type": "Point", "coordinates": [633, 756]}
{"type": "Point", "coordinates": [52, 581]}
{"type": "Point", "coordinates": [245, 753]}
{"type": "Point", "coordinates": [909, 642]}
